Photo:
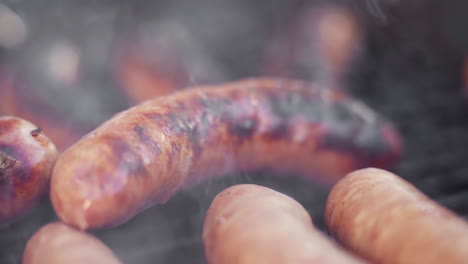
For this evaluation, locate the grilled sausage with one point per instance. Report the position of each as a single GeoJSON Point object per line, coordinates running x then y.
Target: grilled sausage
{"type": "Point", "coordinates": [254, 224]}
{"type": "Point", "coordinates": [26, 160]}
{"type": "Point", "coordinates": [142, 156]}
{"type": "Point", "coordinates": [387, 220]}
{"type": "Point", "coordinates": [57, 243]}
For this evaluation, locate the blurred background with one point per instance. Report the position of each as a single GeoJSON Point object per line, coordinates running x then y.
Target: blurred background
{"type": "Point", "coordinates": [67, 66]}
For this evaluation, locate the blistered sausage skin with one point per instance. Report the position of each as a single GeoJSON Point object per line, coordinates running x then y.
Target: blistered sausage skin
{"type": "Point", "coordinates": [26, 160]}
{"type": "Point", "coordinates": [142, 156]}
{"type": "Point", "coordinates": [57, 243]}
{"type": "Point", "coordinates": [249, 224]}
{"type": "Point", "coordinates": [385, 219]}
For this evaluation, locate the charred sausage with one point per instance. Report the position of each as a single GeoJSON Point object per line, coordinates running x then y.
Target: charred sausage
{"type": "Point", "coordinates": [142, 156]}
{"type": "Point", "coordinates": [387, 220]}
{"type": "Point", "coordinates": [254, 224]}
{"type": "Point", "coordinates": [57, 243]}
{"type": "Point", "coordinates": [26, 160]}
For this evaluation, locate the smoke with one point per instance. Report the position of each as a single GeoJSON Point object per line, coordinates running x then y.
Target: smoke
{"type": "Point", "coordinates": [65, 50]}
{"type": "Point", "coordinates": [375, 8]}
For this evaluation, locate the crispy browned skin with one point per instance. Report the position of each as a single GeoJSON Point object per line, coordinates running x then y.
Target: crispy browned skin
{"type": "Point", "coordinates": [26, 160]}
{"type": "Point", "coordinates": [57, 243]}
{"type": "Point", "coordinates": [142, 156]}
{"type": "Point", "coordinates": [249, 224]}
{"type": "Point", "coordinates": [387, 220]}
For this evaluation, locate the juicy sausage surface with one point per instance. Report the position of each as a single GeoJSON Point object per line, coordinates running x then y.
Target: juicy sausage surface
{"type": "Point", "coordinates": [249, 224]}
{"type": "Point", "coordinates": [387, 220]}
{"type": "Point", "coordinates": [142, 156]}
{"type": "Point", "coordinates": [26, 160]}
{"type": "Point", "coordinates": [57, 243]}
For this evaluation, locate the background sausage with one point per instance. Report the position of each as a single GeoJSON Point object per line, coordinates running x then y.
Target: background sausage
{"type": "Point", "coordinates": [254, 224]}
{"type": "Point", "coordinates": [320, 44]}
{"type": "Point", "coordinates": [387, 220]}
{"type": "Point", "coordinates": [57, 243]}
{"type": "Point", "coordinates": [26, 160]}
{"type": "Point", "coordinates": [21, 99]}
{"type": "Point", "coordinates": [157, 62]}
{"type": "Point", "coordinates": [144, 155]}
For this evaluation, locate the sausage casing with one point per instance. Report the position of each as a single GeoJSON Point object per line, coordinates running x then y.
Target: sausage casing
{"type": "Point", "coordinates": [253, 224]}
{"type": "Point", "coordinates": [57, 243]}
{"type": "Point", "coordinates": [142, 156]}
{"type": "Point", "coordinates": [26, 160]}
{"type": "Point", "coordinates": [387, 220]}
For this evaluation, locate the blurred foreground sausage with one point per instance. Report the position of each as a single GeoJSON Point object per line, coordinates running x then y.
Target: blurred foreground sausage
{"type": "Point", "coordinates": [26, 160]}
{"type": "Point", "coordinates": [57, 243]}
{"type": "Point", "coordinates": [144, 155]}
{"type": "Point", "coordinates": [386, 220]}
{"type": "Point", "coordinates": [249, 224]}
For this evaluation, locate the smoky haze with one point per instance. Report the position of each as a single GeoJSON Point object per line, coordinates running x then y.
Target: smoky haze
{"type": "Point", "coordinates": [66, 54]}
